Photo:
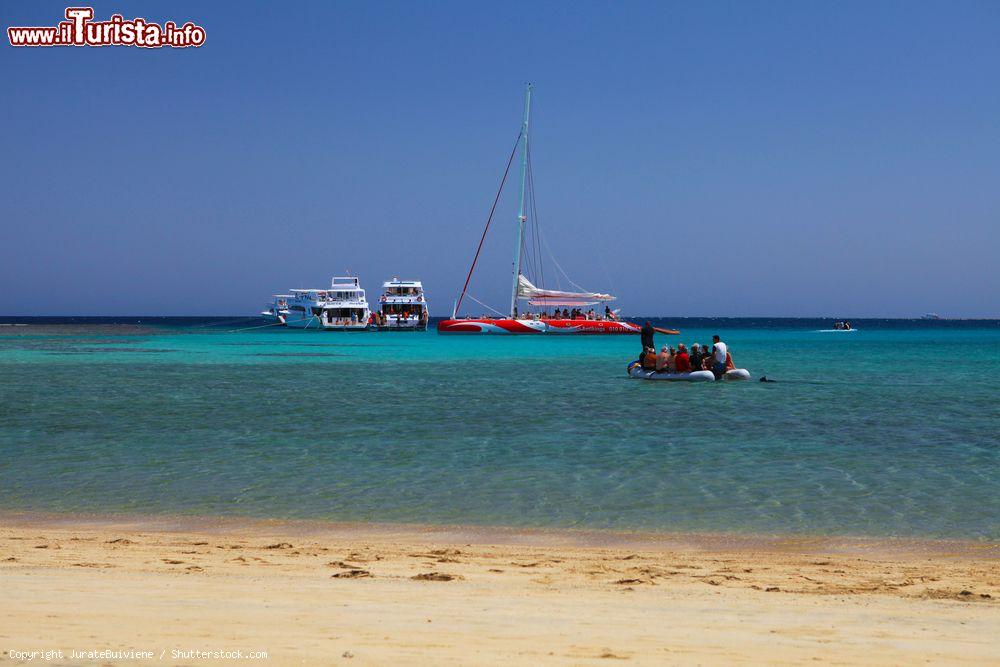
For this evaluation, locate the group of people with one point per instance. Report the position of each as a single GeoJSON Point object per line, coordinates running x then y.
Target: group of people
{"type": "Point", "coordinates": [578, 314]}
{"type": "Point", "coordinates": [383, 319]}
{"type": "Point", "coordinates": [842, 326]}
{"type": "Point", "coordinates": [680, 360]}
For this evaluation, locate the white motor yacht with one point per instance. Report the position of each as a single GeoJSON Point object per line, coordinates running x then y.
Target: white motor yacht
{"type": "Point", "coordinates": [402, 306]}
{"type": "Point", "coordinates": [343, 307]}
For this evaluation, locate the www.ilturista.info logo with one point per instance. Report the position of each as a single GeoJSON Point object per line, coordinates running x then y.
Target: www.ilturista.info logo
{"type": "Point", "coordinates": [80, 30]}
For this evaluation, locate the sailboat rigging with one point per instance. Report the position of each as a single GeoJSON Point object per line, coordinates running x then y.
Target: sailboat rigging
{"type": "Point", "coordinates": [522, 288]}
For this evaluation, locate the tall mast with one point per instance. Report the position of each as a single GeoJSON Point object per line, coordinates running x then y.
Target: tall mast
{"type": "Point", "coordinates": [520, 215]}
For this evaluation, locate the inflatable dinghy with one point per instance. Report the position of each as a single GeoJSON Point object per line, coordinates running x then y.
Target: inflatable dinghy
{"type": "Point", "coordinates": [635, 370]}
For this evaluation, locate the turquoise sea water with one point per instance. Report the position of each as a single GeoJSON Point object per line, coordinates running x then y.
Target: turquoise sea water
{"type": "Point", "coordinates": [891, 430]}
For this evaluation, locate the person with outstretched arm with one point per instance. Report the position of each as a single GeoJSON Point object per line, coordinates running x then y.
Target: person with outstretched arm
{"type": "Point", "coordinates": [647, 335]}
{"type": "Point", "coordinates": [648, 345]}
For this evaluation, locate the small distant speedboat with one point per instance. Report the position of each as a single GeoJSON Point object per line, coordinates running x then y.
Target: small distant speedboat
{"type": "Point", "coordinates": [635, 370]}
{"type": "Point", "coordinates": [838, 326]}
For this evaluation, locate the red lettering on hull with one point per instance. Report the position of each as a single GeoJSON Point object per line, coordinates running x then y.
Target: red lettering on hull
{"type": "Point", "coordinates": [558, 327]}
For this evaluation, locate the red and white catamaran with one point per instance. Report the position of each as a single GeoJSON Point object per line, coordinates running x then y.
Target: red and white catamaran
{"type": "Point", "coordinates": [526, 322]}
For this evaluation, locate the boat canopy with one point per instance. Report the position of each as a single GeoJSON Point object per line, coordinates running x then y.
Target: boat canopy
{"type": "Point", "coordinates": [537, 296]}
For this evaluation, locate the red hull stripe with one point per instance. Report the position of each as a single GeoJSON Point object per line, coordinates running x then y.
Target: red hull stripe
{"type": "Point", "coordinates": [558, 327]}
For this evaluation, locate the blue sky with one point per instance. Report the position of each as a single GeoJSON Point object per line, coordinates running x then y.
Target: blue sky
{"type": "Point", "coordinates": [696, 159]}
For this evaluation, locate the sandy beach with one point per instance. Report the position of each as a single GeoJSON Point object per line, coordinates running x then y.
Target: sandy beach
{"type": "Point", "coordinates": [314, 593]}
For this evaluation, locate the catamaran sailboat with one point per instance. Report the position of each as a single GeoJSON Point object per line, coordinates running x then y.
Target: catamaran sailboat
{"type": "Point", "coordinates": [524, 289]}
{"type": "Point", "coordinates": [402, 306]}
{"type": "Point", "coordinates": [343, 307]}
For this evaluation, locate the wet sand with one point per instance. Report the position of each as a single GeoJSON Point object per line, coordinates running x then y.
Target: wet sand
{"type": "Point", "coordinates": [308, 592]}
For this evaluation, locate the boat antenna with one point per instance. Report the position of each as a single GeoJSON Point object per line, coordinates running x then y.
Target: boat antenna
{"type": "Point", "coordinates": [520, 214]}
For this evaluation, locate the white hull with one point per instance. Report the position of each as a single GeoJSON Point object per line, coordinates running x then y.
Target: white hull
{"type": "Point", "coordinates": [317, 324]}
{"type": "Point", "coordinates": [636, 371]}
{"type": "Point", "coordinates": [694, 376]}
{"type": "Point", "coordinates": [402, 306]}
{"type": "Point", "coordinates": [342, 307]}
{"type": "Point", "coordinates": [402, 326]}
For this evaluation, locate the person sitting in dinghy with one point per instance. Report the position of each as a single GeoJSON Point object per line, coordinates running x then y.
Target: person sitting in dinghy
{"type": "Point", "coordinates": [706, 357]}
{"type": "Point", "coordinates": [665, 360]}
{"type": "Point", "coordinates": [695, 357]}
{"type": "Point", "coordinates": [682, 362]}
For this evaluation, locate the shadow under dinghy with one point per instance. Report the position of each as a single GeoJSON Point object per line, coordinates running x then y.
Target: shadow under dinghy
{"type": "Point", "coordinates": [635, 370]}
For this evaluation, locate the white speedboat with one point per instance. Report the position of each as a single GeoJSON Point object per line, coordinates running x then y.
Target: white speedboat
{"type": "Point", "coordinates": [842, 325]}
{"type": "Point", "coordinates": [402, 306]}
{"type": "Point", "coordinates": [343, 307]}
{"type": "Point", "coordinates": [277, 311]}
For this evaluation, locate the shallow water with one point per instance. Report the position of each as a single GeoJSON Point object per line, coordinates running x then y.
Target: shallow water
{"type": "Point", "coordinates": [890, 430]}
